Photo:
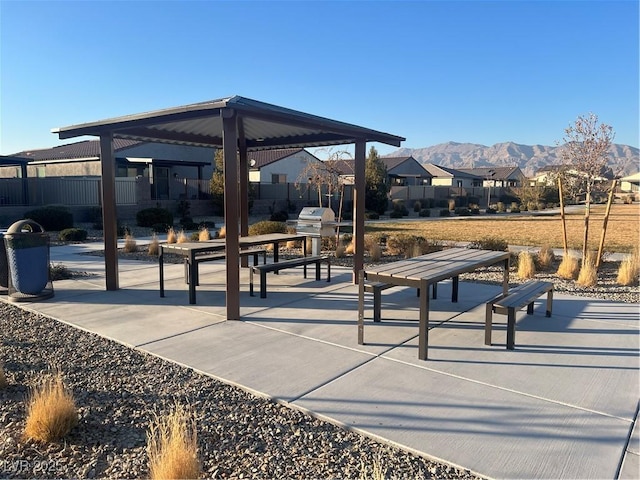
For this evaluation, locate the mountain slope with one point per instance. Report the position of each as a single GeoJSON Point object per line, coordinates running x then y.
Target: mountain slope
{"type": "Point", "coordinates": [530, 158]}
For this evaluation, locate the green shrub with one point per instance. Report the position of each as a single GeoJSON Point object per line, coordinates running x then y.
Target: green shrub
{"type": "Point", "coordinates": [463, 211]}
{"type": "Point", "coordinates": [515, 210]}
{"type": "Point", "coordinates": [160, 227]}
{"type": "Point", "coordinates": [490, 210]}
{"type": "Point", "coordinates": [267, 226]}
{"type": "Point", "coordinates": [371, 216]}
{"type": "Point", "coordinates": [395, 214]}
{"type": "Point", "coordinates": [417, 206]}
{"type": "Point", "coordinates": [195, 237]}
{"type": "Point", "coordinates": [73, 235]}
{"type": "Point", "coordinates": [444, 212]}
{"type": "Point", "coordinates": [474, 210]}
{"type": "Point", "coordinates": [425, 212]}
{"type": "Point", "coordinates": [54, 218]}
{"type": "Point", "coordinates": [58, 271]}
{"type": "Point", "coordinates": [280, 216]}
{"type": "Point", "coordinates": [490, 243]}
{"type": "Point", "coordinates": [153, 216]}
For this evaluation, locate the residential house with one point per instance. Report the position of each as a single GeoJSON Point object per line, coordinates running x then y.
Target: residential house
{"type": "Point", "coordinates": [497, 176]}
{"type": "Point", "coordinates": [401, 171]}
{"type": "Point", "coordinates": [630, 183]}
{"type": "Point", "coordinates": [449, 177]}
{"type": "Point", "coordinates": [287, 165]}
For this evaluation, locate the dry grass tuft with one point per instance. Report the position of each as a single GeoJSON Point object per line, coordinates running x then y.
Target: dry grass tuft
{"type": "Point", "coordinates": [416, 250]}
{"type": "Point", "coordinates": [182, 237]}
{"type": "Point", "coordinates": [3, 379]}
{"type": "Point", "coordinates": [545, 258]}
{"type": "Point", "coordinates": [171, 236]}
{"type": "Point", "coordinates": [568, 267]}
{"type": "Point", "coordinates": [526, 265]}
{"type": "Point", "coordinates": [629, 269]}
{"type": "Point", "coordinates": [130, 245]}
{"type": "Point", "coordinates": [377, 471]}
{"type": "Point", "coordinates": [51, 410]}
{"type": "Point", "coordinates": [376, 252]}
{"type": "Point", "coordinates": [588, 276]}
{"type": "Point", "coordinates": [340, 251]}
{"type": "Point", "coordinates": [223, 232]}
{"type": "Point", "coordinates": [172, 446]}
{"type": "Point", "coordinates": [204, 235]}
{"type": "Point", "coordinates": [154, 246]}
{"type": "Point", "coordinates": [350, 249]}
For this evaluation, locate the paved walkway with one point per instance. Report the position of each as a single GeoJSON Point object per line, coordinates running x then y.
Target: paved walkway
{"type": "Point", "coordinates": [563, 404]}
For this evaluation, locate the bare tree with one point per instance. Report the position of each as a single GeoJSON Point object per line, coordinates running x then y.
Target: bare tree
{"type": "Point", "coordinates": [327, 173]}
{"type": "Point", "coordinates": [585, 148]}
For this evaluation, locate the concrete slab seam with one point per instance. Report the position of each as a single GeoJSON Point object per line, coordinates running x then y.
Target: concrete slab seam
{"type": "Point", "coordinates": [625, 450]}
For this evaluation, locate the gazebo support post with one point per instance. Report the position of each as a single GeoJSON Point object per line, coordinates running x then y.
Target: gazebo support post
{"type": "Point", "coordinates": [231, 211]}
{"type": "Point", "coordinates": [243, 199]}
{"type": "Point", "coordinates": [109, 217]}
{"type": "Point", "coordinates": [358, 208]}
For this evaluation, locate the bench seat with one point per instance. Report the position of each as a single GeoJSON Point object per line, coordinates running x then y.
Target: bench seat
{"type": "Point", "coordinates": [210, 257]}
{"type": "Point", "coordinates": [262, 270]}
{"type": "Point", "coordinates": [516, 298]}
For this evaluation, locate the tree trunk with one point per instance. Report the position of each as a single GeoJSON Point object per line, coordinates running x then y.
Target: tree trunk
{"type": "Point", "coordinates": [585, 239]}
{"type": "Point", "coordinates": [604, 224]}
{"type": "Point", "coordinates": [564, 221]}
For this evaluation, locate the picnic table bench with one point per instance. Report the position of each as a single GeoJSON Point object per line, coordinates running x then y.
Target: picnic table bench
{"type": "Point", "coordinates": [211, 257]}
{"type": "Point", "coordinates": [262, 270]}
{"type": "Point", "coordinates": [516, 298]}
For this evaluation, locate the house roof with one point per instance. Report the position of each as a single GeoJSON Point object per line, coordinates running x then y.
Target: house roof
{"type": "Point", "coordinates": [491, 173]}
{"type": "Point", "coordinates": [261, 126]}
{"type": "Point", "coordinates": [346, 167]}
{"type": "Point", "coordinates": [266, 157]}
{"type": "Point", "coordinates": [438, 171]}
{"type": "Point", "coordinates": [88, 149]}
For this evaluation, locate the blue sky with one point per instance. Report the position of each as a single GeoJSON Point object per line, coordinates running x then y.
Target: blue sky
{"type": "Point", "coordinates": [431, 71]}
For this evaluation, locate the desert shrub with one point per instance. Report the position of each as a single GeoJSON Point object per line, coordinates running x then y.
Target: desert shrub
{"type": "Point", "coordinates": [3, 378]}
{"type": "Point", "coordinates": [73, 235]}
{"type": "Point", "coordinates": [545, 258]}
{"type": "Point", "coordinates": [154, 246]}
{"type": "Point", "coordinates": [194, 237]}
{"type": "Point", "coordinates": [490, 210]}
{"type": "Point", "coordinates": [417, 206]}
{"type": "Point", "coordinates": [445, 212]}
{"type": "Point", "coordinates": [568, 267]}
{"type": "Point", "coordinates": [267, 226]}
{"type": "Point", "coordinates": [58, 271]}
{"type": "Point", "coordinates": [51, 410]}
{"type": "Point", "coordinates": [222, 233]}
{"type": "Point", "coordinates": [462, 211]}
{"type": "Point", "coordinates": [395, 214]}
{"type": "Point", "coordinates": [172, 237]}
{"type": "Point", "coordinates": [588, 275]}
{"type": "Point", "coordinates": [172, 445]}
{"type": "Point", "coordinates": [280, 216]}
{"type": "Point", "coordinates": [532, 206]}
{"type": "Point", "coordinates": [500, 207]}
{"type": "Point", "coordinates": [375, 252]}
{"type": "Point", "coordinates": [425, 212]}
{"type": "Point", "coordinates": [401, 244]}
{"type": "Point", "coordinates": [52, 217]}
{"type": "Point", "coordinates": [340, 250]}
{"type": "Point", "coordinates": [182, 237]}
{"type": "Point", "coordinates": [204, 235]}
{"type": "Point", "coordinates": [160, 227]}
{"type": "Point", "coordinates": [451, 203]}
{"type": "Point", "coordinates": [153, 216]}
{"type": "Point", "coordinates": [515, 210]}
{"type": "Point", "coordinates": [629, 269]}
{"type": "Point", "coordinates": [490, 243]}
{"type": "Point", "coordinates": [130, 245]}
{"type": "Point", "coordinates": [372, 216]}
{"type": "Point", "coordinates": [475, 210]}
{"type": "Point", "coordinates": [628, 199]}
{"type": "Point", "coordinates": [526, 266]}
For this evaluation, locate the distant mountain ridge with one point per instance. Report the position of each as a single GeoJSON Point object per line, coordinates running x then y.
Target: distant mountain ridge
{"type": "Point", "coordinates": [530, 158]}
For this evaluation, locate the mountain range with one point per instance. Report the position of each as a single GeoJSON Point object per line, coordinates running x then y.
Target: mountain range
{"type": "Point", "coordinates": [623, 159]}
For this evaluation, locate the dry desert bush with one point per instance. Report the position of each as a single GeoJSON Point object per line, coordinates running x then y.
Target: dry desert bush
{"type": "Point", "coordinates": [629, 270]}
{"type": "Point", "coordinates": [130, 245]}
{"type": "Point", "coordinates": [222, 233]}
{"type": "Point", "coordinates": [545, 258]}
{"type": "Point", "coordinates": [154, 246]}
{"type": "Point", "coordinates": [588, 276]}
{"type": "Point", "coordinates": [204, 235]}
{"type": "Point", "coordinates": [569, 267]}
{"type": "Point", "coordinates": [376, 252]}
{"type": "Point", "coordinates": [51, 410]}
{"type": "Point", "coordinates": [171, 236]}
{"type": "Point", "coordinates": [340, 250]}
{"type": "Point", "coordinates": [182, 237]}
{"type": "Point", "coordinates": [172, 445]}
{"type": "Point", "coordinates": [526, 266]}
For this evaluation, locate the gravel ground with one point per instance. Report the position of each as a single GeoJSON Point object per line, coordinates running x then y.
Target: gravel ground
{"type": "Point", "coordinates": [240, 435]}
{"type": "Point", "coordinates": [116, 391]}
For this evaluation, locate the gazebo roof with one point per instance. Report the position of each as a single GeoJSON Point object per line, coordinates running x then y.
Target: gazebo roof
{"type": "Point", "coordinates": [264, 126]}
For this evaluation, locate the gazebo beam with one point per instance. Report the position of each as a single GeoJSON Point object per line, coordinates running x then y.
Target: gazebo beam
{"type": "Point", "coordinates": [358, 207]}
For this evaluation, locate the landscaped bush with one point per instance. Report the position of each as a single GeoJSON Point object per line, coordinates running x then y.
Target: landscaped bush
{"type": "Point", "coordinates": [425, 212]}
{"type": "Point", "coordinates": [73, 235]}
{"type": "Point", "coordinates": [629, 269]}
{"type": "Point", "coordinates": [400, 244]}
{"type": "Point", "coordinates": [267, 226]}
{"type": "Point", "coordinates": [371, 216]}
{"type": "Point", "coordinates": [588, 276]}
{"type": "Point", "coordinates": [500, 207]}
{"type": "Point", "coordinates": [52, 218]}
{"type": "Point", "coordinates": [400, 207]}
{"type": "Point", "coordinates": [58, 271]}
{"type": "Point", "coordinates": [490, 243]}
{"type": "Point", "coordinates": [130, 244]}
{"type": "Point", "coordinates": [417, 206]}
{"type": "Point", "coordinates": [545, 258]}
{"type": "Point", "coordinates": [154, 246]}
{"type": "Point", "coordinates": [395, 214]}
{"type": "Point", "coordinates": [475, 210]}
{"type": "Point", "coordinates": [526, 266]}
{"type": "Point", "coordinates": [153, 216]}
{"type": "Point", "coordinates": [280, 216]}
{"type": "Point", "coordinates": [452, 204]}
{"type": "Point", "coordinates": [207, 224]}
{"type": "Point", "coordinates": [160, 227]}
{"type": "Point", "coordinates": [568, 267]}
{"type": "Point", "coordinates": [490, 210]}
{"type": "Point", "coordinates": [445, 212]}
{"type": "Point", "coordinates": [462, 211]}
{"type": "Point", "coordinates": [628, 199]}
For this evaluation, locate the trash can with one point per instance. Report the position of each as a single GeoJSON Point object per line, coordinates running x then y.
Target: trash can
{"type": "Point", "coordinates": [4, 266]}
{"type": "Point", "coordinates": [27, 250]}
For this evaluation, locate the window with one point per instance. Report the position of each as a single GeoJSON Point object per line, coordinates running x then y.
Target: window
{"type": "Point", "coordinates": [40, 171]}
{"type": "Point", "coordinates": [278, 178]}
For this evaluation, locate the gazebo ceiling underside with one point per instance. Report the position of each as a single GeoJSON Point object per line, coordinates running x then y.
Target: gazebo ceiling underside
{"type": "Point", "coordinates": [262, 126]}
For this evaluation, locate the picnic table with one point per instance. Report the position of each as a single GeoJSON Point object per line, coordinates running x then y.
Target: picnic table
{"type": "Point", "coordinates": [420, 272]}
{"type": "Point", "coordinates": [189, 250]}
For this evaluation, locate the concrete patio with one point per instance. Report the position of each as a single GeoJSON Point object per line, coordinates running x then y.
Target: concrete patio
{"type": "Point", "coordinates": [563, 404]}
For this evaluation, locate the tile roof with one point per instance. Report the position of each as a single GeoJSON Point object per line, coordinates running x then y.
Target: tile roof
{"type": "Point", "coordinates": [346, 167]}
{"type": "Point", "coordinates": [440, 171]}
{"type": "Point", "coordinates": [492, 173]}
{"type": "Point", "coordinates": [70, 151]}
{"type": "Point", "coordinates": [265, 157]}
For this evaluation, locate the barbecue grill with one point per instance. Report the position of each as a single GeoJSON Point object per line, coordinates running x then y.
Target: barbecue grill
{"type": "Point", "coordinates": [316, 222]}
